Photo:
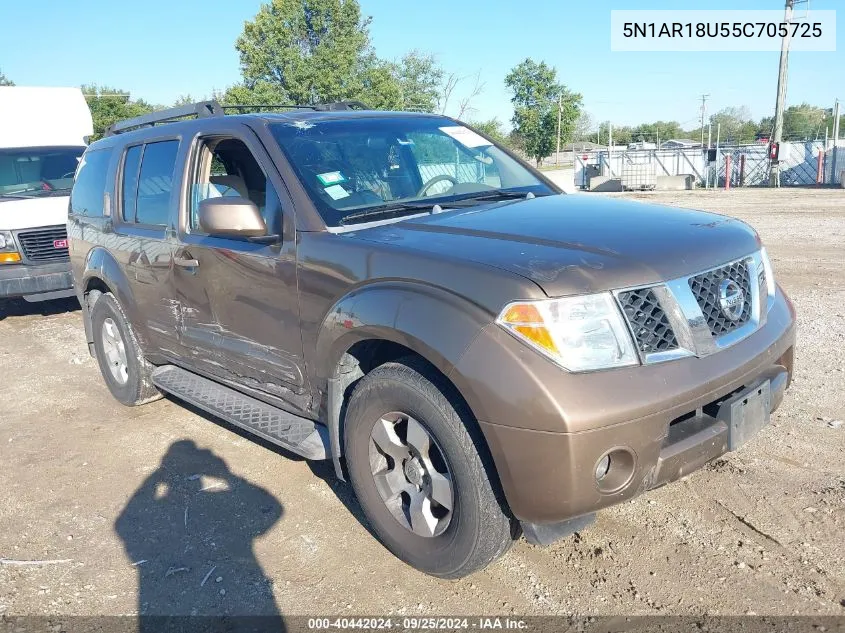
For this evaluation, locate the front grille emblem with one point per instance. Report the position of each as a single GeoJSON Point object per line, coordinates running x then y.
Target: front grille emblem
{"type": "Point", "coordinates": [731, 299]}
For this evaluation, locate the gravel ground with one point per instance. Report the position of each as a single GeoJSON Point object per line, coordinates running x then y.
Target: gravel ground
{"type": "Point", "coordinates": [157, 509]}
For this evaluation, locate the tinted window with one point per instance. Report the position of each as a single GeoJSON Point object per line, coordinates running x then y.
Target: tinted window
{"type": "Point", "coordinates": [90, 183]}
{"type": "Point", "coordinates": [155, 182]}
{"type": "Point", "coordinates": [129, 189]}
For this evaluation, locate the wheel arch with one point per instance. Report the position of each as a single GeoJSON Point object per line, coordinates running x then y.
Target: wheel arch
{"type": "Point", "coordinates": [101, 273]}
{"type": "Point", "coordinates": [387, 321]}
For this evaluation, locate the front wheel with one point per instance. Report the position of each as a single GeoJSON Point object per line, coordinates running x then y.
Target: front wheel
{"type": "Point", "coordinates": [418, 474]}
{"type": "Point", "coordinates": [122, 363]}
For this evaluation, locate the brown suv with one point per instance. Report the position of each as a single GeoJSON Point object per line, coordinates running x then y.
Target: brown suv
{"type": "Point", "coordinates": [399, 294]}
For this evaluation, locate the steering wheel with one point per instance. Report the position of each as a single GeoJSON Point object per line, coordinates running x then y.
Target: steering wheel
{"type": "Point", "coordinates": [441, 178]}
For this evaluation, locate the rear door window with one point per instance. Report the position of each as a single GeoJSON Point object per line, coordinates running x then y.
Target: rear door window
{"type": "Point", "coordinates": [155, 182]}
{"type": "Point", "coordinates": [129, 188]}
{"type": "Point", "coordinates": [90, 185]}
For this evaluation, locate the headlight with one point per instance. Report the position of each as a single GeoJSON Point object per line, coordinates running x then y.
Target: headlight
{"type": "Point", "coordinates": [770, 275]}
{"type": "Point", "coordinates": [578, 333]}
{"type": "Point", "coordinates": [8, 251]}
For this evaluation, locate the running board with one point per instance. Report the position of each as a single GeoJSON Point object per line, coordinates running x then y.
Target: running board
{"type": "Point", "coordinates": [299, 435]}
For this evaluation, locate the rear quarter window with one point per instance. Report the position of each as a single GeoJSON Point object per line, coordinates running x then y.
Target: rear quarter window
{"type": "Point", "coordinates": [89, 188]}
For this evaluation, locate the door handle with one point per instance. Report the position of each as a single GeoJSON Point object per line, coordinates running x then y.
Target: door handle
{"type": "Point", "coordinates": [185, 263]}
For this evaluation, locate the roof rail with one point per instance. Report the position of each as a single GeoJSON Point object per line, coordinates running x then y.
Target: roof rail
{"type": "Point", "coordinates": [199, 110]}
{"type": "Point", "coordinates": [213, 108]}
{"type": "Point", "coordinates": [341, 105]}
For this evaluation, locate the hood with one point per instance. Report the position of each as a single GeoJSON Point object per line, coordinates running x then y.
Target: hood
{"type": "Point", "coordinates": [576, 244]}
{"type": "Point", "coordinates": [30, 213]}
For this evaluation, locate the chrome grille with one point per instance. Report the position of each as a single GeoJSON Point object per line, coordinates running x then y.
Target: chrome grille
{"type": "Point", "coordinates": [705, 289]}
{"type": "Point", "coordinates": [648, 321]}
{"type": "Point", "coordinates": [39, 245]}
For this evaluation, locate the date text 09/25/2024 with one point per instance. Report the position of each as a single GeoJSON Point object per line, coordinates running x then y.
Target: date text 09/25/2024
{"type": "Point", "coordinates": [417, 624]}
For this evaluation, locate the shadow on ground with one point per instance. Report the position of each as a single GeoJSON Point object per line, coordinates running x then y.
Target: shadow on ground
{"type": "Point", "coordinates": [189, 531]}
{"type": "Point", "coordinates": [19, 307]}
{"type": "Point", "coordinates": [324, 469]}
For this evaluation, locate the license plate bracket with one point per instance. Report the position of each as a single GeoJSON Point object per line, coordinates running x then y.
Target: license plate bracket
{"type": "Point", "coordinates": [746, 413]}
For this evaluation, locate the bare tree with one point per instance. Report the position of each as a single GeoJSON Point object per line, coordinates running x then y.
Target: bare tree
{"type": "Point", "coordinates": [477, 89]}
{"type": "Point", "coordinates": [450, 84]}
{"type": "Point", "coordinates": [452, 80]}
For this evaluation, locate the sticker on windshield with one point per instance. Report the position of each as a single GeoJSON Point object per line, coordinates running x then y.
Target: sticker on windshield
{"type": "Point", "coordinates": [465, 136]}
{"type": "Point", "coordinates": [336, 192]}
{"type": "Point", "coordinates": [331, 178]}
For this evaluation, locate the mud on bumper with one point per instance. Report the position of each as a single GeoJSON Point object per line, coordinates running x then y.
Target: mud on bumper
{"type": "Point", "coordinates": [36, 283]}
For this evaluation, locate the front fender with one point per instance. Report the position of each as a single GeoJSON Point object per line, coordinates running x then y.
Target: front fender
{"type": "Point", "coordinates": [433, 322]}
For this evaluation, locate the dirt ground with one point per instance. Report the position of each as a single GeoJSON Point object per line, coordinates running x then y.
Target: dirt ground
{"type": "Point", "coordinates": [158, 509]}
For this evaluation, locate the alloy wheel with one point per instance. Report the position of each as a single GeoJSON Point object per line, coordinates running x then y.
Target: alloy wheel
{"type": "Point", "coordinates": [411, 474]}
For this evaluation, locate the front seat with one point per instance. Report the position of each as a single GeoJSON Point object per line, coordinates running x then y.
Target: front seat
{"type": "Point", "coordinates": [229, 186]}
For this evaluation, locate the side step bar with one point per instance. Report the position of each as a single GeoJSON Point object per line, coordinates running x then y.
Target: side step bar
{"type": "Point", "coordinates": [299, 435]}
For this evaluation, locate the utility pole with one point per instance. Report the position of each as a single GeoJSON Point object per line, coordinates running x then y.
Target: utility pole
{"type": "Point", "coordinates": [559, 111]}
{"type": "Point", "coordinates": [703, 112]}
{"type": "Point", "coordinates": [833, 165]}
{"type": "Point", "coordinates": [777, 137]}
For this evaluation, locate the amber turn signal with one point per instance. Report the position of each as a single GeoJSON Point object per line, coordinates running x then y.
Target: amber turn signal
{"type": "Point", "coordinates": [9, 258]}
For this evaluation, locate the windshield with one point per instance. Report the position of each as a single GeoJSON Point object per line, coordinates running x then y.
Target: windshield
{"type": "Point", "coordinates": [37, 171]}
{"type": "Point", "coordinates": [354, 168]}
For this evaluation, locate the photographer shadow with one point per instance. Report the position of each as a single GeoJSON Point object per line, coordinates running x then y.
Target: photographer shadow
{"type": "Point", "coordinates": [189, 531]}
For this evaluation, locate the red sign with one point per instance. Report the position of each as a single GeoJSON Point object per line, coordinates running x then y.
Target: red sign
{"type": "Point", "coordinates": [59, 243]}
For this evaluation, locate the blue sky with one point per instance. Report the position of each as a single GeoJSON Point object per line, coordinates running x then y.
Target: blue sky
{"type": "Point", "coordinates": [160, 49]}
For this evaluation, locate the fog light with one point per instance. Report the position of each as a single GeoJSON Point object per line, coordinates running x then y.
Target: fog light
{"type": "Point", "coordinates": [602, 467]}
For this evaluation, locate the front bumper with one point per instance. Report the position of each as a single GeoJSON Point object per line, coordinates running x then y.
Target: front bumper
{"type": "Point", "coordinates": [547, 429]}
{"type": "Point", "coordinates": [36, 283]}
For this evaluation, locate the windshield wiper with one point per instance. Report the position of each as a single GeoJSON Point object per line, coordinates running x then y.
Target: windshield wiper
{"type": "Point", "coordinates": [400, 209]}
{"type": "Point", "coordinates": [390, 211]}
{"type": "Point", "coordinates": [498, 194]}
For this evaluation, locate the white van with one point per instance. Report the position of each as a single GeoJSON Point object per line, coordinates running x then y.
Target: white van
{"type": "Point", "coordinates": [43, 132]}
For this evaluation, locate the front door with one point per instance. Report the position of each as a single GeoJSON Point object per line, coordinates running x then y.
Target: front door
{"type": "Point", "coordinates": [238, 299]}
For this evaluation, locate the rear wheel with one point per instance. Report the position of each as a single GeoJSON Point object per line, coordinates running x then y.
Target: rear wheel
{"type": "Point", "coordinates": [418, 474]}
{"type": "Point", "coordinates": [121, 360]}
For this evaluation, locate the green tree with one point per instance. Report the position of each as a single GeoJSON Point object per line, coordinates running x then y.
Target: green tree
{"type": "Point", "coordinates": [493, 129]}
{"type": "Point", "coordinates": [584, 129]}
{"type": "Point", "coordinates": [652, 132]}
{"type": "Point", "coordinates": [731, 124]}
{"type": "Point", "coordinates": [109, 105]}
{"type": "Point", "coordinates": [536, 92]}
{"type": "Point", "coordinates": [5, 81]}
{"type": "Point", "coordinates": [804, 122]}
{"type": "Point", "coordinates": [311, 51]}
{"type": "Point", "coordinates": [259, 93]}
{"type": "Point", "coordinates": [420, 80]}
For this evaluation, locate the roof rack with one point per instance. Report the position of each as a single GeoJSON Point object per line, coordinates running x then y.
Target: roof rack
{"type": "Point", "coordinates": [213, 108]}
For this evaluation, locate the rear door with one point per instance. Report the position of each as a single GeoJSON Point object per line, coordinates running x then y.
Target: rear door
{"type": "Point", "coordinates": [148, 198]}
{"type": "Point", "coordinates": [240, 311]}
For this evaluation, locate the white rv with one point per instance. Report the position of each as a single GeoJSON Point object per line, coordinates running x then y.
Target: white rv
{"type": "Point", "coordinates": [43, 132]}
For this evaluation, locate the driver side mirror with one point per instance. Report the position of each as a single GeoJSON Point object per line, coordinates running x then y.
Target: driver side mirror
{"type": "Point", "coordinates": [231, 217]}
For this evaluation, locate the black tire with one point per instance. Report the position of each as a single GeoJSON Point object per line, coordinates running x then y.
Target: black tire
{"type": "Point", "coordinates": [138, 387]}
{"type": "Point", "coordinates": [480, 529]}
